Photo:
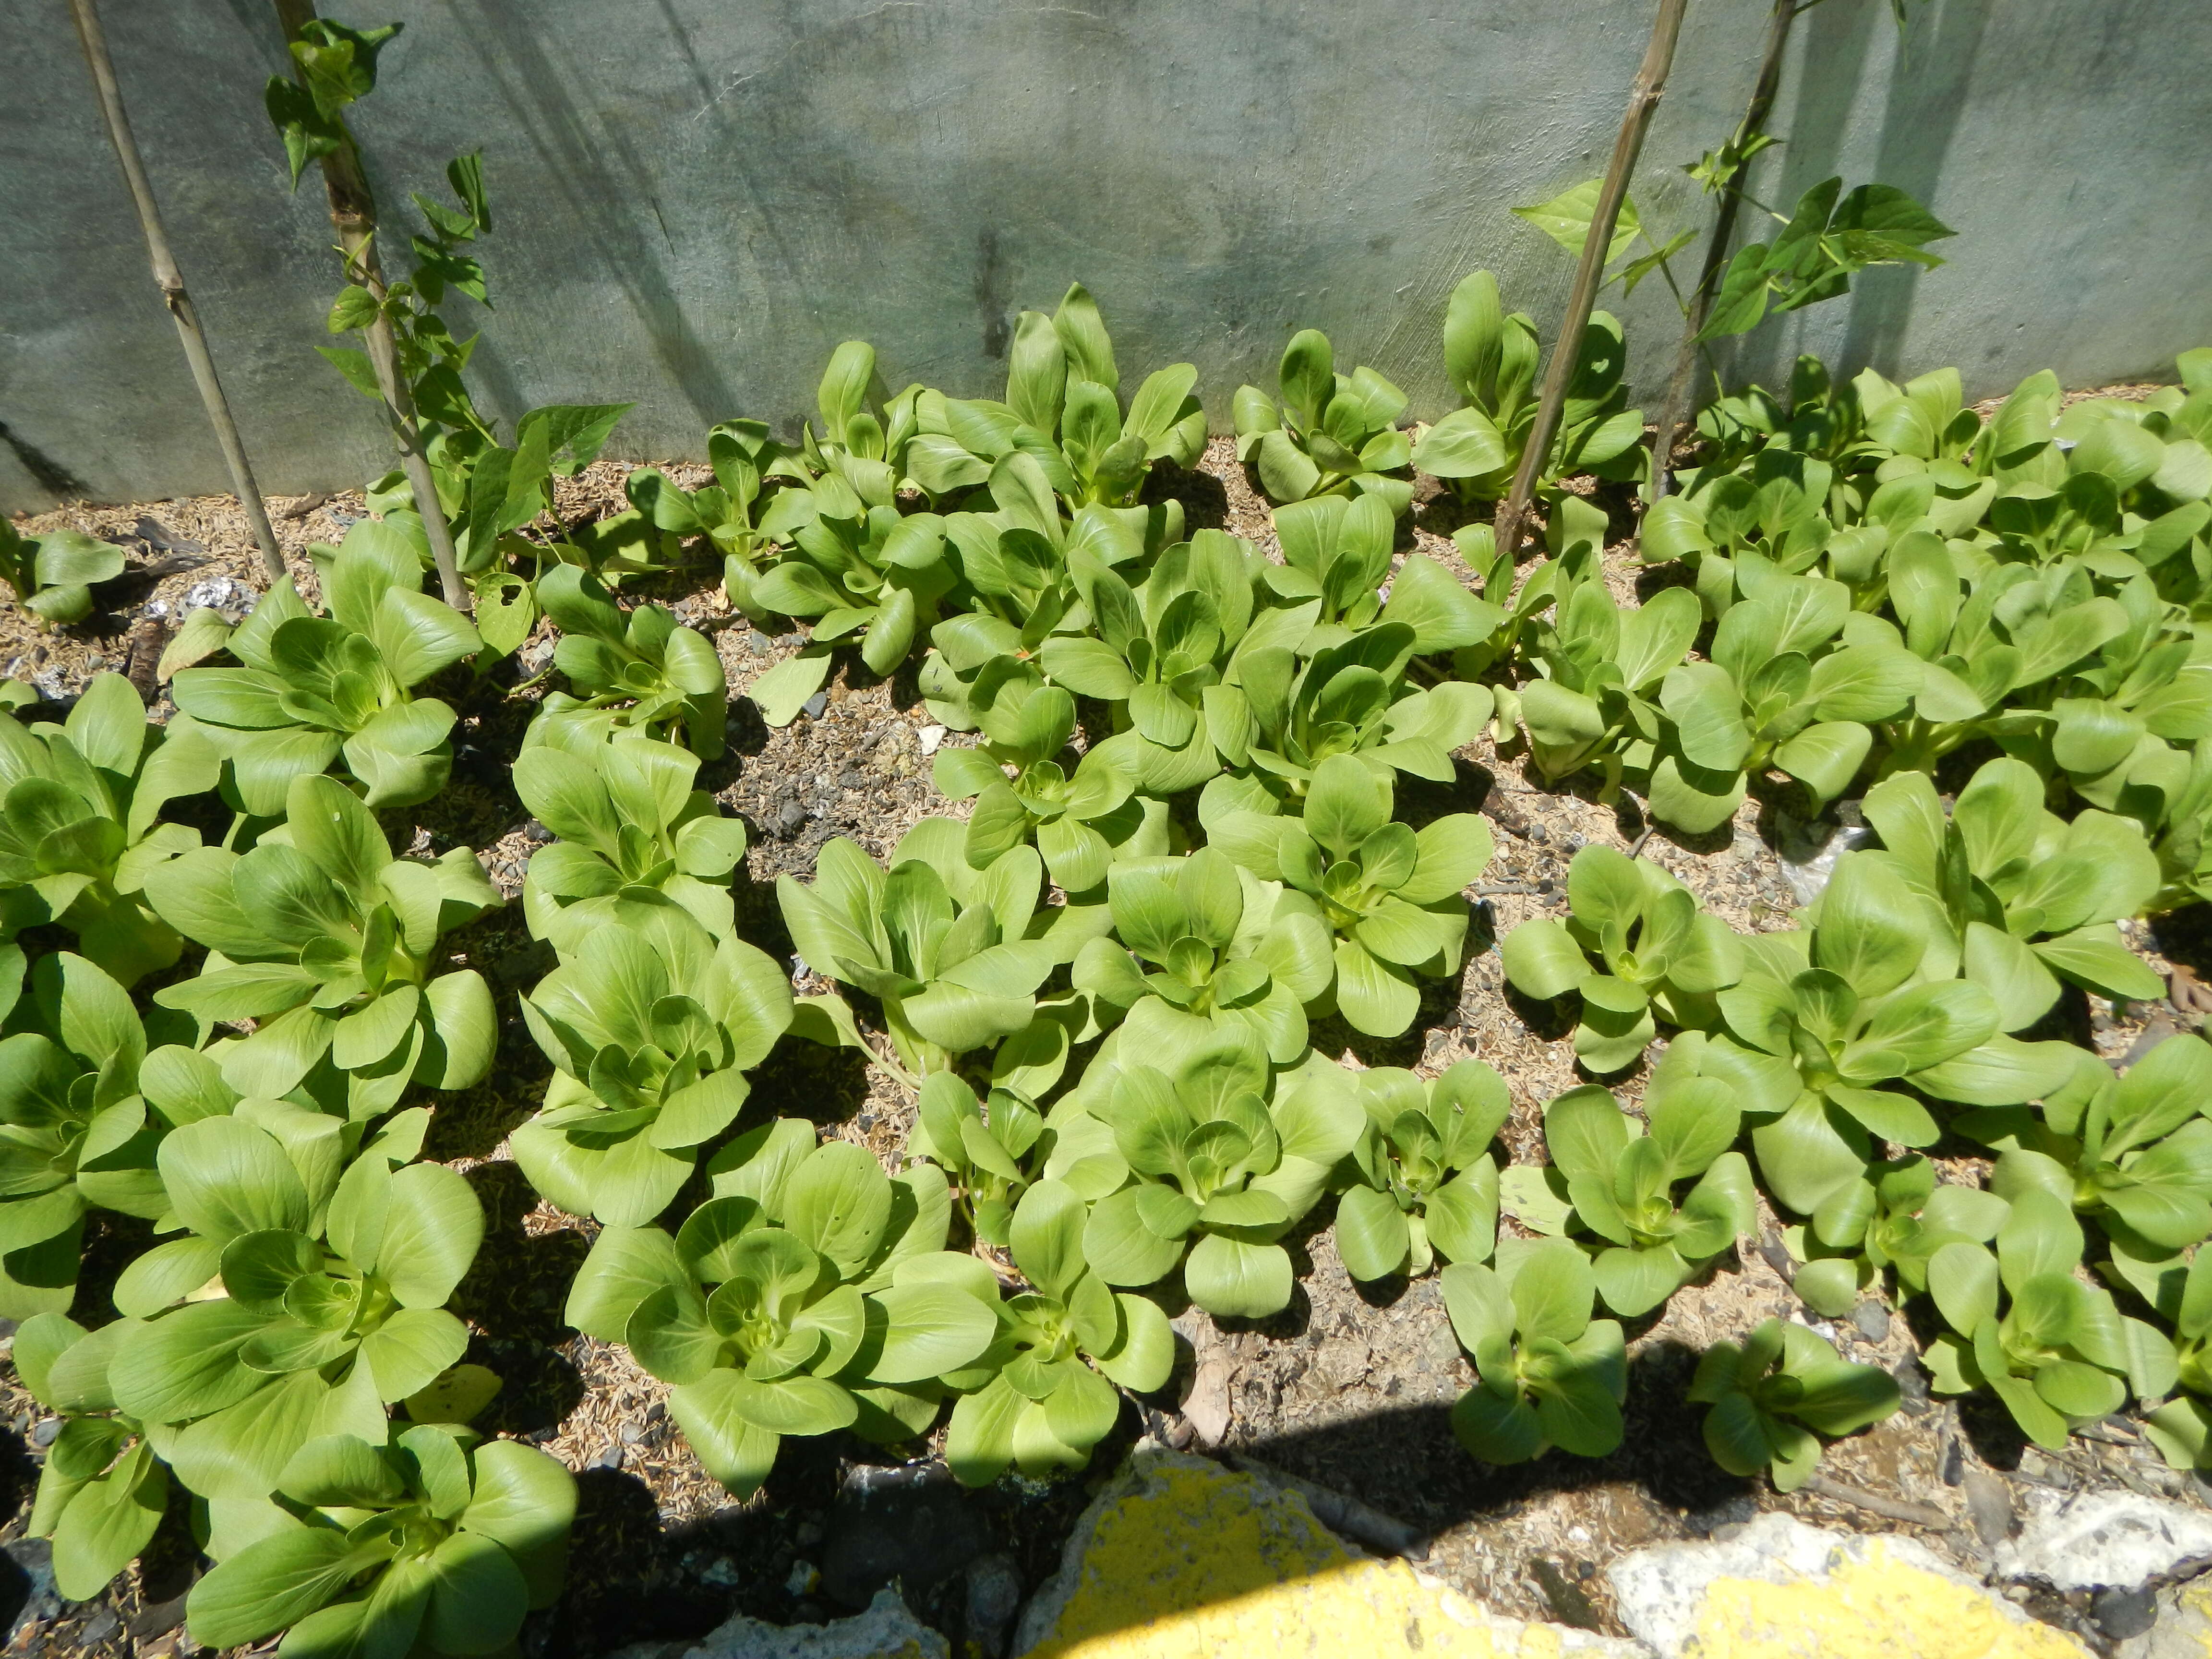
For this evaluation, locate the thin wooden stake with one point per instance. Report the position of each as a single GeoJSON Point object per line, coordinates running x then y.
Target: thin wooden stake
{"type": "Point", "coordinates": [1716, 252]}
{"type": "Point", "coordinates": [353, 216]}
{"type": "Point", "coordinates": [171, 281]}
{"type": "Point", "coordinates": [1643, 99]}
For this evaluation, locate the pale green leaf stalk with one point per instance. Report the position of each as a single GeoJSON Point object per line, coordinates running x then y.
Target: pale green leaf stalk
{"type": "Point", "coordinates": [102, 1491]}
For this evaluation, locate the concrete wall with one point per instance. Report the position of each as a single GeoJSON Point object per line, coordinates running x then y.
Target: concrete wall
{"type": "Point", "coordinates": [696, 199]}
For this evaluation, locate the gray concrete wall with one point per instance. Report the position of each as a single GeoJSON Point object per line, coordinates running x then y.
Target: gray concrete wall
{"type": "Point", "coordinates": [696, 199]}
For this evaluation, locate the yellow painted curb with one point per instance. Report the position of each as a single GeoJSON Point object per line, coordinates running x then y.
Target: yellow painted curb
{"type": "Point", "coordinates": [1182, 1559]}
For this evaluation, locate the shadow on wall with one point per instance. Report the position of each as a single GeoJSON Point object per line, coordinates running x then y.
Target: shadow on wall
{"type": "Point", "coordinates": [1931, 64]}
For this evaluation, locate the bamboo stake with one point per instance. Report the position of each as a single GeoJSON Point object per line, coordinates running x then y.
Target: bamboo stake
{"type": "Point", "coordinates": [1716, 253]}
{"type": "Point", "coordinates": [353, 216]}
{"type": "Point", "coordinates": [1643, 99]}
{"type": "Point", "coordinates": [171, 281]}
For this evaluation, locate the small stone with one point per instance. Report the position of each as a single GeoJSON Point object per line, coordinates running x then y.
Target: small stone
{"type": "Point", "coordinates": [44, 1431]}
{"type": "Point", "coordinates": [1954, 1462]}
{"type": "Point", "coordinates": [721, 1572]}
{"type": "Point", "coordinates": [1911, 1384]}
{"type": "Point", "coordinates": [1989, 1505]}
{"type": "Point", "coordinates": [1872, 1320]}
{"type": "Point", "coordinates": [759, 644]}
{"type": "Point", "coordinates": [631, 1433]}
{"type": "Point", "coordinates": [995, 1596]}
{"type": "Point", "coordinates": [928, 737]}
{"type": "Point", "coordinates": [611, 1458]}
{"type": "Point", "coordinates": [789, 817]}
{"type": "Point", "coordinates": [813, 706]}
{"type": "Point", "coordinates": [536, 832]}
{"type": "Point", "coordinates": [802, 1580]}
{"type": "Point", "coordinates": [885, 1628]}
{"type": "Point", "coordinates": [2103, 1540]}
{"type": "Point", "coordinates": [1728, 1531]}
{"type": "Point", "coordinates": [2121, 1613]}
{"type": "Point", "coordinates": [97, 1629]}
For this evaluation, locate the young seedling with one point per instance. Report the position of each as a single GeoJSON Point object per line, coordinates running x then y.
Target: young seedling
{"type": "Point", "coordinates": [331, 945]}
{"type": "Point", "coordinates": [80, 804]}
{"type": "Point", "coordinates": [53, 575]}
{"type": "Point", "coordinates": [1546, 1374]}
{"type": "Point", "coordinates": [431, 1542]}
{"type": "Point", "coordinates": [310, 689]}
{"type": "Point", "coordinates": [1621, 1183]}
{"type": "Point", "coordinates": [632, 830]}
{"type": "Point", "coordinates": [1332, 434]}
{"type": "Point", "coordinates": [1210, 1167]}
{"type": "Point", "coordinates": [102, 1491]}
{"type": "Point", "coordinates": [651, 1024]}
{"type": "Point", "coordinates": [2062, 1354]}
{"type": "Point", "coordinates": [1896, 1216]}
{"type": "Point", "coordinates": [1429, 1184]}
{"type": "Point", "coordinates": [986, 1147]}
{"type": "Point", "coordinates": [1062, 1350]}
{"type": "Point", "coordinates": [1635, 947]}
{"type": "Point", "coordinates": [642, 672]}
{"type": "Point", "coordinates": [1776, 1394]}
{"type": "Point", "coordinates": [1200, 942]}
{"type": "Point", "coordinates": [2030, 898]}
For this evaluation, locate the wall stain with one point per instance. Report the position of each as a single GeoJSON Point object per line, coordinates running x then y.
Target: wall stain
{"type": "Point", "coordinates": [991, 296]}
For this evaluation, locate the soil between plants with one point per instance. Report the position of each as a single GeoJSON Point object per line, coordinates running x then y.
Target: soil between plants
{"type": "Point", "coordinates": [1351, 1386]}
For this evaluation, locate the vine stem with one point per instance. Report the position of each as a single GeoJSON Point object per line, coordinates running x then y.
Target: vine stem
{"type": "Point", "coordinates": [171, 281]}
{"type": "Point", "coordinates": [1716, 252]}
{"type": "Point", "coordinates": [353, 216]}
{"type": "Point", "coordinates": [1643, 99]}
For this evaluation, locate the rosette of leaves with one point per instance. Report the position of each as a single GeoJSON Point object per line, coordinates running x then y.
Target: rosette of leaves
{"type": "Point", "coordinates": [1080, 817]}
{"type": "Point", "coordinates": [312, 689]}
{"type": "Point", "coordinates": [429, 1542]}
{"type": "Point", "coordinates": [639, 672]}
{"type": "Point", "coordinates": [863, 447]}
{"type": "Point", "coordinates": [1162, 652]}
{"type": "Point", "coordinates": [744, 459]}
{"type": "Point", "coordinates": [651, 1024]}
{"type": "Point", "coordinates": [1213, 1168]}
{"type": "Point", "coordinates": [1780, 690]}
{"type": "Point", "coordinates": [1025, 572]}
{"type": "Point", "coordinates": [1621, 1181]}
{"type": "Point", "coordinates": [1817, 416]}
{"type": "Point", "coordinates": [1428, 1184]}
{"type": "Point", "coordinates": [332, 945]}
{"type": "Point", "coordinates": [1391, 895]}
{"type": "Point", "coordinates": [1776, 1395]}
{"type": "Point", "coordinates": [1593, 699]}
{"type": "Point", "coordinates": [1634, 946]}
{"type": "Point", "coordinates": [857, 569]}
{"type": "Point", "coordinates": [334, 1279]}
{"type": "Point", "coordinates": [1337, 555]}
{"type": "Point", "coordinates": [1770, 508]}
{"type": "Point", "coordinates": [2030, 898]}
{"type": "Point", "coordinates": [946, 948]}
{"type": "Point", "coordinates": [984, 1147]}
{"type": "Point", "coordinates": [1062, 1349]}
{"type": "Point", "coordinates": [2107, 721]}
{"type": "Point", "coordinates": [1063, 407]}
{"type": "Point", "coordinates": [816, 1298]}
{"type": "Point", "coordinates": [1332, 434]}
{"type": "Point", "coordinates": [1987, 650]}
{"type": "Point", "coordinates": [2134, 1153]}
{"type": "Point", "coordinates": [1491, 355]}
{"type": "Point", "coordinates": [1199, 941]}
{"type": "Point", "coordinates": [1346, 699]}
{"type": "Point", "coordinates": [80, 807]}
{"type": "Point", "coordinates": [2054, 1349]}
{"type": "Point", "coordinates": [53, 575]}
{"type": "Point", "coordinates": [1546, 1374]}
{"type": "Point", "coordinates": [102, 1491]}
{"type": "Point", "coordinates": [76, 1133]}
{"type": "Point", "coordinates": [1895, 1216]}
{"type": "Point", "coordinates": [632, 831]}
{"type": "Point", "coordinates": [1824, 1023]}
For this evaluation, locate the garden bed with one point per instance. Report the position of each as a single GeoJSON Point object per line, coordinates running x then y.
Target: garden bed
{"type": "Point", "coordinates": [1351, 1386]}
